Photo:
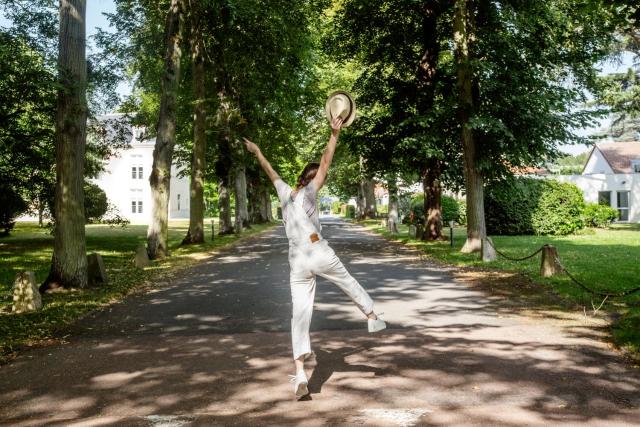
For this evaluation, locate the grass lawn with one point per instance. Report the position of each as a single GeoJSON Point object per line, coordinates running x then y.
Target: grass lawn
{"type": "Point", "coordinates": [606, 260]}
{"type": "Point", "coordinates": [30, 248]}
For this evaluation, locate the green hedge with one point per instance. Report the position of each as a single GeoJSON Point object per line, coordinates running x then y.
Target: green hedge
{"type": "Point", "coordinates": [95, 202]}
{"type": "Point", "coordinates": [600, 216]}
{"type": "Point", "coordinates": [450, 209]}
{"type": "Point", "coordinates": [533, 206]}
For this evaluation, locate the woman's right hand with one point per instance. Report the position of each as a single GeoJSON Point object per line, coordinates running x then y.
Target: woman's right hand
{"type": "Point", "coordinates": [253, 148]}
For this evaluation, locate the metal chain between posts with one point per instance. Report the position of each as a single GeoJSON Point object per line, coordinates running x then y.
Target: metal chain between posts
{"type": "Point", "coordinates": [513, 259]}
{"type": "Point", "coordinates": [564, 270]}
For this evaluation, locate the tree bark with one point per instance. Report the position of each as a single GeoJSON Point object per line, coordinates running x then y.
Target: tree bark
{"type": "Point", "coordinates": [195, 234]}
{"type": "Point", "coordinates": [432, 200]}
{"type": "Point", "coordinates": [224, 206]}
{"type": "Point", "coordinates": [474, 183]}
{"type": "Point", "coordinates": [360, 201]}
{"type": "Point", "coordinates": [267, 204]}
{"type": "Point", "coordinates": [242, 213]}
{"type": "Point", "coordinates": [370, 210]}
{"type": "Point", "coordinates": [69, 261]}
{"type": "Point", "coordinates": [393, 220]}
{"type": "Point", "coordinates": [160, 179]}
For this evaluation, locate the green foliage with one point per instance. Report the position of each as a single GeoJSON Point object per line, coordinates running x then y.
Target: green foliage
{"type": "Point", "coordinates": [11, 205]}
{"type": "Point", "coordinates": [95, 202]}
{"type": "Point", "coordinates": [349, 211]}
{"type": "Point", "coordinates": [335, 207]}
{"type": "Point", "coordinates": [559, 210]}
{"type": "Point", "coordinates": [533, 206]}
{"type": "Point", "coordinates": [462, 212]}
{"type": "Point", "coordinates": [599, 216]}
{"type": "Point", "coordinates": [450, 209]}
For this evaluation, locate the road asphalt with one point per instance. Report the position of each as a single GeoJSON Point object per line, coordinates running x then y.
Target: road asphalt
{"type": "Point", "coordinates": [212, 347]}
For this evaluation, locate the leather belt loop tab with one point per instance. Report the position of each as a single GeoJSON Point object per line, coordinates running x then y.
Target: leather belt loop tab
{"type": "Point", "coordinates": [314, 237]}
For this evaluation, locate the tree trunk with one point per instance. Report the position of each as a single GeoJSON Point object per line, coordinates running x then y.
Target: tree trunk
{"type": "Point", "coordinates": [195, 234]}
{"type": "Point", "coordinates": [393, 221]}
{"type": "Point", "coordinates": [224, 206]}
{"type": "Point", "coordinates": [432, 201]}
{"type": "Point", "coordinates": [160, 179]}
{"type": "Point", "coordinates": [69, 261]}
{"type": "Point", "coordinates": [267, 204]}
{"type": "Point", "coordinates": [474, 185]}
{"type": "Point", "coordinates": [242, 213]}
{"type": "Point", "coordinates": [360, 201]}
{"type": "Point", "coordinates": [369, 198]}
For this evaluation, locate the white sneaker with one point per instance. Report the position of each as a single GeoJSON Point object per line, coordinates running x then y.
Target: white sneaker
{"type": "Point", "coordinates": [376, 325]}
{"type": "Point", "coordinates": [300, 383]}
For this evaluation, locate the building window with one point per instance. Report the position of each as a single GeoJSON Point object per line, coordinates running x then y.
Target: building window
{"type": "Point", "coordinates": [635, 166]}
{"type": "Point", "coordinates": [604, 198]}
{"type": "Point", "coordinates": [623, 205]}
{"type": "Point", "coordinates": [136, 201]}
{"type": "Point", "coordinates": [136, 172]}
{"type": "Point", "coordinates": [178, 202]}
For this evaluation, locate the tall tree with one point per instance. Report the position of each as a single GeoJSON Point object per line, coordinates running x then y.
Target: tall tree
{"type": "Point", "coordinates": [195, 234]}
{"type": "Point", "coordinates": [69, 262]}
{"type": "Point", "coordinates": [474, 181]}
{"type": "Point", "coordinates": [160, 179]}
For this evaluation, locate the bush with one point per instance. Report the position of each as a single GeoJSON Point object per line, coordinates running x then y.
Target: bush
{"type": "Point", "coordinates": [533, 206]}
{"type": "Point", "coordinates": [559, 210]}
{"type": "Point", "coordinates": [462, 212]}
{"type": "Point", "coordinates": [335, 207]}
{"type": "Point", "coordinates": [599, 216]}
{"type": "Point", "coordinates": [349, 211]}
{"type": "Point", "coordinates": [450, 209]}
{"type": "Point", "coordinates": [95, 202]}
{"type": "Point", "coordinates": [11, 205]}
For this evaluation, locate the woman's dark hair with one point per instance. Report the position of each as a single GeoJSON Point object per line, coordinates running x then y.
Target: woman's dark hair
{"type": "Point", "coordinates": [308, 173]}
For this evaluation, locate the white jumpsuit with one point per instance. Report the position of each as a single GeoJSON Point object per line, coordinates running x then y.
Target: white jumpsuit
{"type": "Point", "coordinates": [308, 259]}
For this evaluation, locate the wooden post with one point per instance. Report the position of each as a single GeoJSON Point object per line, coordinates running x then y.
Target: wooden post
{"type": "Point", "coordinates": [488, 252]}
{"type": "Point", "coordinates": [549, 266]}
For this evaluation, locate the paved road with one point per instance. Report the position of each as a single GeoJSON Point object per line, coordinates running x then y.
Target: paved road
{"type": "Point", "coordinates": [212, 348]}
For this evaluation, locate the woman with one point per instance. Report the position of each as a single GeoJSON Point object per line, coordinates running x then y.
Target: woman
{"type": "Point", "coordinates": [310, 254]}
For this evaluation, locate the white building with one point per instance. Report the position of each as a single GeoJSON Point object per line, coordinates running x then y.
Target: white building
{"type": "Point", "coordinates": [611, 176]}
{"type": "Point", "coordinates": [125, 180]}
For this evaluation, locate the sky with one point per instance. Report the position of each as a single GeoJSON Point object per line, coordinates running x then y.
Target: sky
{"type": "Point", "coordinates": [96, 19]}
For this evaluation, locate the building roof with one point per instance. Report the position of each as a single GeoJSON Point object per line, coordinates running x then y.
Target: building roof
{"type": "Point", "coordinates": [620, 154]}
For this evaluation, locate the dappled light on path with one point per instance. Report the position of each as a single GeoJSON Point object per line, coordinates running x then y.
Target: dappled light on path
{"type": "Point", "coordinates": [213, 348]}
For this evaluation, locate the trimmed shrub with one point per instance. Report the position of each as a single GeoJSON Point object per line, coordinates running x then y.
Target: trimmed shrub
{"type": "Point", "coordinates": [11, 205]}
{"type": "Point", "coordinates": [533, 206]}
{"type": "Point", "coordinates": [599, 216]}
{"type": "Point", "coordinates": [349, 211]}
{"type": "Point", "coordinates": [95, 202]}
{"type": "Point", "coordinates": [559, 210]}
{"type": "Point", "coordinates": [450, 209]}
{"type": "Point", "coordinates": [335, 207]}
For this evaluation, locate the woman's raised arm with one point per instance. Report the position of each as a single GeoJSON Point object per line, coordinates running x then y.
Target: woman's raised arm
{"type": "Point", "coordinates": [327, 156]}
{"type": "Point", "coordinates": [253, 148]}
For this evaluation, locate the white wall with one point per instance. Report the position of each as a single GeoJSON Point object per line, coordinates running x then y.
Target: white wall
{"type": "Point", "coordinates": [596, 164]}
{"type": "Point", "coordinates": [592, 184]}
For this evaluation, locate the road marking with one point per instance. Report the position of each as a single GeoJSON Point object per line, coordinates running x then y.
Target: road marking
{"type": "Point", "coordinates": [401, 417]}
{"type": "Point", "coordinates": [168, 420]}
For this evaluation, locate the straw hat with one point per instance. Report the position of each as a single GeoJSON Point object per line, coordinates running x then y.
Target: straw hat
{"type": "Point", "coordinates": [341, 104]}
